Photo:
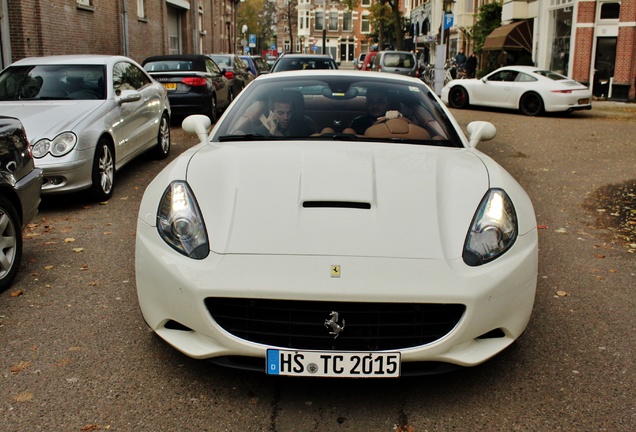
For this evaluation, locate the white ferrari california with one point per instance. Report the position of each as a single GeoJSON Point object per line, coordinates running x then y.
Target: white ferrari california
{"type": "Point", "coordinates": [337, 224]}
{"type": "Point", "coordinates": [527, 88]}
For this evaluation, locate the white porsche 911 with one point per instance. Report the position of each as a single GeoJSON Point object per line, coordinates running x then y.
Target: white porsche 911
{"type": "Point", "coordinates": [337, 224]}
{"type": "Point", "coordinates": [528, 89]}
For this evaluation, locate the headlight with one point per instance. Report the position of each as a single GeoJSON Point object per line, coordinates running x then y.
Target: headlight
{"type": "Point", "coordinates": [58, 146]}
{"type": "Point", "coordinates": [179, 221]}
{"type": "Point", "coordinates": [493, 230]}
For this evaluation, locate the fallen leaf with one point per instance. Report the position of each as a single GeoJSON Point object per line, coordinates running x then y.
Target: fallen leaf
{"type": "Point", "coordinates": [90, 428]}
{"type": "Point", "coordinates": [23, 397]}
{"type": "Point", "coordinates": [599, 256]}
{"type": "Point", "coordinates": [64, 362]}
{"type": "Point", "coordinates": [103, 203]}
{"type": "Point", "coordinates": [542, 227]}
{"type": "Point", "coordinates": [69, 240]}
{"type": "Point", "coordinates": [561, 293]}
{"type": "Point", "coordinates": [16, 293]}
{"type": "Point", "coordinates": [78, 250]}
{"type": "Point", "coordinates": [48, 267]}
{"type": "Point", "coordinates": [20, 367]}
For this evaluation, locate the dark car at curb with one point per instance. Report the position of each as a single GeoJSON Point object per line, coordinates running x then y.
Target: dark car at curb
{"type": "Point", "coordinates": [235, 70]}
{"type": "Point", "coordinates": [20, 183]}
{"type": "Point", "coordinates": [195, 83]}
{"type": "Point", "coordinates": [256, 64]}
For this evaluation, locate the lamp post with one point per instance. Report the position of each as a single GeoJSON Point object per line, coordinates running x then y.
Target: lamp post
{"type": "Point", "coordinates": [440, 50]}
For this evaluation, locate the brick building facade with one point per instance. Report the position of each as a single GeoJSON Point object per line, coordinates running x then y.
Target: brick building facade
{"type": "Point", "coordinates": [135, 28]}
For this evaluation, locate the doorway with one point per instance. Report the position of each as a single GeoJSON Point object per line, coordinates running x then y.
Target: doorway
{"type": "Point", "coordinates": [604, 65]}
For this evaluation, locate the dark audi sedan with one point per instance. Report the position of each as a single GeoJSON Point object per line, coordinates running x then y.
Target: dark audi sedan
{"type": "Point", "coordinates": [195, 83]}
{"type": "Point", "coordinates": [20, 184]}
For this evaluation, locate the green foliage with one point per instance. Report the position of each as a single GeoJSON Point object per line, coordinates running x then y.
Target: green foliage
{"type": "Point", "coordinates": [260, 17]}
{"type": "Point", "coordinates": [488, 19]}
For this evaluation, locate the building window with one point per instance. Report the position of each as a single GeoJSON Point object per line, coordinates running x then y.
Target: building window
{"type": "Point", "coordinates": [365, 26]}
{"type": "Point", "coordinates": [347, 22]}
{"type": "Point", "coordinates": [333, 21]}
{"type": "Point", "coordinates": [365, 3]}
{"type": "Point", "coordinates": [84, 2]}
{"type": "Point", "coordinates": [610, 11]}
{"type": "Point", "coordinates": [319, 23]}
{"type": "Point", "coordinates": [141, 12]}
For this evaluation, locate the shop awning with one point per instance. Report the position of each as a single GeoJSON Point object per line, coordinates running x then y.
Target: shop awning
{"type": "Point", "coordinates": [515, 36]}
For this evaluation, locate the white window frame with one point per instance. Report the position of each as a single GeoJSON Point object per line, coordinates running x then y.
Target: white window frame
{"type": "Point", "coordinates": [364, 19]}
{"type": "Point", "coordinates": [141, 10]}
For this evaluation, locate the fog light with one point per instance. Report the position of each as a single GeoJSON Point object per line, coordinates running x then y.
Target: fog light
{"type": "Point", "coordinates": [54, 181]}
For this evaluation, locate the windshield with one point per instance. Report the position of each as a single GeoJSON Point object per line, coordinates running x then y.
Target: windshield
{"type": "Point", "coordinates": [338, 108]}
{"type": "Point", "coordinates": [171, 65]}
{"type": "Point", "coordinates": [223, 61]}
{"type": "Point", "coordinates": [54, 82]}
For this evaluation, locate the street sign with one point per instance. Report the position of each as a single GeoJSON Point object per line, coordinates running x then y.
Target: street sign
{"type": "Point", "coordinates": [252, 41]}
{"type": "Point", "coordinates": [449, 20]}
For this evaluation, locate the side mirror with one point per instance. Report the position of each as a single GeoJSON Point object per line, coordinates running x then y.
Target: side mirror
{"type": "Point", "coordinates": [197, 124]}
{"type": "Point", "coordinates": [128, 96]}
{"type": "Point", "coordinates": [480, 131]}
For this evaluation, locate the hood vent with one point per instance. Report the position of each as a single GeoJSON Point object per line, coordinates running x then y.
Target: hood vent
{"type": "Point", "coordinates": [337, 204]}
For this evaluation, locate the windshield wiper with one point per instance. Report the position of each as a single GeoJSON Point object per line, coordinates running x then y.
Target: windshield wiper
{"type": "Point", "coordinates": [52, 98]}
{"type": "Point", "coordinates": [244, 137]}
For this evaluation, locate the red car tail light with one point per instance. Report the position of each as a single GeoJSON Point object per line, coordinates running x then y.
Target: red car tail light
{"type": "Point", "coordinates": [562, 91]}
{"type": "Point", "coordinates": [194, 82]}
{"type": "Point", "coordinates": [229, 75]}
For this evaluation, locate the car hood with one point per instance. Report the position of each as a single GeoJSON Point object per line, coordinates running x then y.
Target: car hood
{"type": "Point", "coordinates": [46, 119]}
{"type": "Point", "coordinates": [338, 199]}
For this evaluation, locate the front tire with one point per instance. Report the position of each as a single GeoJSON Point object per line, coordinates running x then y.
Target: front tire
{"type": "Point", "coordinates": [531, 104]}
{"type": "Point", "coordinates": [458, 97]}
{"type": "Point", "coordinates": [162, 149]}
{"type": "Point", "coordinates": [103, 174]}
{"type": "Point", "coordinates": [10, 243]}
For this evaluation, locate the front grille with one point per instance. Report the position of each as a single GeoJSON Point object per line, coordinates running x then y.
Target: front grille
{"type": "Point", "coordinates": [301, 324]}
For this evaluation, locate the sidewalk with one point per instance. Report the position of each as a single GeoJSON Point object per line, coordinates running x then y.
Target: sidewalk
{"type": "Point", "coordinates": [613, 109]}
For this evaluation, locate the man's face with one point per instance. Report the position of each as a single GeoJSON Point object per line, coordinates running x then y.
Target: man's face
{"type": "Point", "coordinates": [282, 114]}
{"type": "Point", "coordinates": [377, 105]}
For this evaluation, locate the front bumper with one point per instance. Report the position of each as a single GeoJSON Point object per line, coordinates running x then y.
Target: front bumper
{"type": "Point", "coordinates": [70, 173]}
{"type": "Point", "coordinates": [498, 297]}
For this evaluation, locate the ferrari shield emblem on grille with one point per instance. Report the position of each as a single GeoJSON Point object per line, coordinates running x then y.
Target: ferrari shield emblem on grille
{"type": "Point", "coordinates": [335, 271]}
{"type": "Point", "coordinates": [332, 323]}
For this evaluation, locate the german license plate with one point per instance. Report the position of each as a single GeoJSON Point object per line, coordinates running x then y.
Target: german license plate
{"type": "Point", "coordinates": [170, 86]}
{"type": "Point", "coordinates": [584, 101]}
{"type": "Point", "coordinates": [333, 364]}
